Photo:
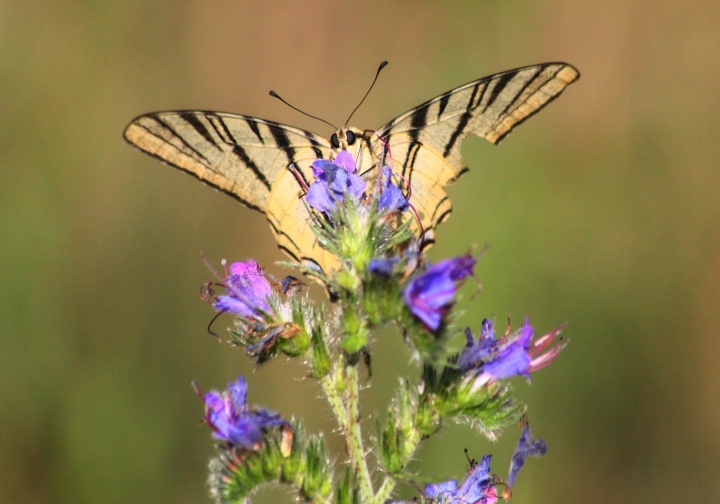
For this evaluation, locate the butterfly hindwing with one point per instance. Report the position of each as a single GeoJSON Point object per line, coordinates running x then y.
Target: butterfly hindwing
{"type": "Point", "coordinates": [425, 142]}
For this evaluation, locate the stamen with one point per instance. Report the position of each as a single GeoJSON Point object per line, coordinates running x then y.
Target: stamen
{"type": "Point", "coordinates": [210, 331]}
{"type": "Point", "coordinates": [420, 225]}
{"type": "Point", "coordinates": [207, 292]}
{"type": "Point", "coordinates": [209, 266]}
{"type": "Point", "coordinates": [543, 342]}
{"type": "Point", "coordinates": [197, 389]}
{"type": "Point", "coordinates": [298, 178]}
{"type": "Point", "coordinates": [387, 148]}
{"type": "Point", "coordinates": [545, 359]}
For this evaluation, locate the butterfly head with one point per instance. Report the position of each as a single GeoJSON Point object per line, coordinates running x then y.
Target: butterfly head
{"type": "Point", "coordinates": [346, 138]}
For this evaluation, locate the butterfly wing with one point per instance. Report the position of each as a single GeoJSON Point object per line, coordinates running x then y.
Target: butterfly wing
{"type": "Point", "coordinates": [425, 142]}
{"type": "Point", "coordinates": [245, 157]}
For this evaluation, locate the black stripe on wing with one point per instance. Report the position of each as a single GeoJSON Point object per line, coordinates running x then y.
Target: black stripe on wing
{"type": "Point", "coordinates": [237, 149]}
{"type": "Point", "coordinates": [254, 128]}
{"type": "Point", "coordinates": [283, 143]}
{"type": "Point", "coordinates": [464, 120]}
{"type": "Point", "coordinates": [174, 133]}
{"type": "Point", "coordinates": [527, 84]}
{"type": "Point", "coordinates": [409, 163]}
{"type": "Point", "coordinates": [444, 100]}
{"type": "Point", "coordinates": [500, 84]}
{"type": "Point", "coordinates": [192, 120]}
{"type": "Point", "coordinates": [548, 101]}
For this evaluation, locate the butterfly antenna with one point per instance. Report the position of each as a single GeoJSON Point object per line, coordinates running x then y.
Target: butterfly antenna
{"type": "Point", "coordinates": [382, 65]}
{"type": "Point", "coordinates": [275, 95]}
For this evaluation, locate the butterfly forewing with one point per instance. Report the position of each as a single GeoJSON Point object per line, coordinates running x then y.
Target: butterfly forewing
{"type": "Point", "coordinates": [243, 156]}
{"type": "Point", "coordinates": [425, 142]}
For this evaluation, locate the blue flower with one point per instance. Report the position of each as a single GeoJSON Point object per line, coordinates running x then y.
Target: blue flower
{"type": "Point", "coordinates": [247, 291]}
{"type": "Point", "coordinates": [478, 487]}
{"type": "Point", "coordinates": [526, 447]}
{"type": "Point", "coordinates": [489, 359]}
{"type": "Point", "coordinates": [334, 181]}
{"type": "Point", "coordinates": [383, 267]}
{"type": "Point", "coordinates": [391, 198]}
{"type": "Point", "coordinates": [231, 420]}
{"type": "Point", "coordinates": [429, 294]}
{"type": "Point", "coordinates": [477, 351]}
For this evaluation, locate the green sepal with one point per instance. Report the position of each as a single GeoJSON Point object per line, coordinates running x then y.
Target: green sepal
{"type": "Point", "coordinates": [427, 419]}
{"type": "Point", "coordinates": [321, 361]}
{"type": "Point", "coordinates": [429, 345]}
{"type": "Point", "coordinates": [399, 439]}
{"type": "Point", "coordinates": [355, 333]}
{"type": "Point", "coordinates": [284, 331]}
{"type": "Point", "coordinates": [235, 472]}
{"type": "Point", "coordinates": [346, 492]}
{"type": "Point", "coordinates": [382, 299]}
{"type": "Point", "coordinates": [489, 407]}
{"type": "Point", "coordinates": [318, 476]}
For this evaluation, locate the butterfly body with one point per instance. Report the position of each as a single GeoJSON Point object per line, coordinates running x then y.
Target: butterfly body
{"type": "Point", "coordinates": [267, 165]}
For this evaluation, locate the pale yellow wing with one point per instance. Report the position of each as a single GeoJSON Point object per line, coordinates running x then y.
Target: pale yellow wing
{"type": "Point", "coordinates": [425, 142]}
{"type": "Point", "coordinates": [245, 157]}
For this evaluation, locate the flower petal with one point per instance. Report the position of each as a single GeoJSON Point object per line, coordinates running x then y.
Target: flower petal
{"type": "Point", "coordinates": [318, 197]}
{"type": "Point", "coordinates": [345, 161]}
{"type": "Point", "coordinates": [526, 447]}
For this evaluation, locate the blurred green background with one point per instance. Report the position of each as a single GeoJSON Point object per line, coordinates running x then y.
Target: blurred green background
{"type": "Point", "coordinates": [601, 211]}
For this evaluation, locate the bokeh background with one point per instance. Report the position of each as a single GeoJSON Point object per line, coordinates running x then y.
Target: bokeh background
{"type": "Point", "coordinates": [601, 211]}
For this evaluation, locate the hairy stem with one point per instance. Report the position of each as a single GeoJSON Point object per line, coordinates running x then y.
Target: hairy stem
{"type": "Point", "coordinates": [353, 433]}
{"type": "Point", "coordinates": [333, 393]}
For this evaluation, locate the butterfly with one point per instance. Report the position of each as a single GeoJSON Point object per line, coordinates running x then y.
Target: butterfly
{"type": "Point", "coordinates": [265, 165]}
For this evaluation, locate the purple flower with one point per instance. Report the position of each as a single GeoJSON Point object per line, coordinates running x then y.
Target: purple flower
{"type": "Point", "coordinates": [231, 420]}
{"type": "Point", "coordinates": [526, 447]}
{"type": "Point", "coordinates": [383, 267]}
{"type": "Point", "coordinates": [334, 181]}
{"type": "Point", "coordinates": [513, 355]}
{"type": "Point", "coordinates": [477, 351]}
{"type": "Point", "coordinates": [247, 291]}
{"type": "Point", "coordinates": [478, 487]}
{"type": "Point", "coordinates": [392, 198]}
{"type": "Point", "coordinates": [429, 294]}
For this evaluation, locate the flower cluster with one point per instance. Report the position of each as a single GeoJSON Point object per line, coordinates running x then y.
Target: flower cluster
{"type": "Point", "coordinates": [247, 292]}
{"type": "Point", "coordinates": [488, 359]}
{"type": "Point", "coordinates": [480, 487]}
{"type": "Point", "coordinates": [231, 420]}
{"type": "Point", "coordinates": [335, 182]}
{"type": "Point", "coordinates": [381, 277]}
{"type": "Point", "coordinates": [267, 322]}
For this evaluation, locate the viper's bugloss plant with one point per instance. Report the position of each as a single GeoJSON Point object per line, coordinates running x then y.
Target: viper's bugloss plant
{"type": "Point", "coordinates": [383, 277]}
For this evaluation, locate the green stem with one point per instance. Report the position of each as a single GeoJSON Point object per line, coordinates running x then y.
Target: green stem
{"type": "Point", "coordinates": [387, 487]}
{"type": "Point", "coordinates": [332, 392]}
{"type": "Point", "coordinates": [354, 434]}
